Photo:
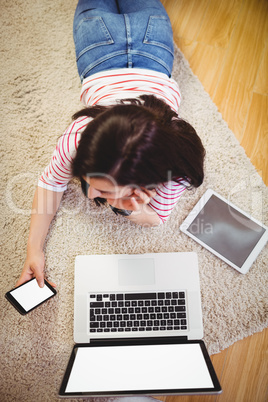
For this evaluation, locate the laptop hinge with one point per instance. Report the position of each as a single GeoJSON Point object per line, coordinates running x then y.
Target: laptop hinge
{"type": "Point", "coordinates": [161, 340]}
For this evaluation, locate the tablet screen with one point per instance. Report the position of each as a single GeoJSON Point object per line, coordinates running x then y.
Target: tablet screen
{"type": "Point", "coordinates": [227, 231]}
{"type": "Point", "coordinates": [138, 368]}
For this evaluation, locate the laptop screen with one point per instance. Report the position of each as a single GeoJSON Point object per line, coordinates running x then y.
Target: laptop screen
{"type": "Point", "coordinates": [139, 369]}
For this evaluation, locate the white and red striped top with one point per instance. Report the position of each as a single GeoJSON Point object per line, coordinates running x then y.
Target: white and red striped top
{"type": "Point", "coordinates": [108, 88]}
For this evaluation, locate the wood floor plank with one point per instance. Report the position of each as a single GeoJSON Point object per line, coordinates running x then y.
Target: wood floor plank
{"type": "Point", "coordinates": [234, 90]}
{"type": "Point", "coordinates": [205, 61]}
{"type": "Point", "coordinates": [245, 375]}
{"type": "Point", "coordinates": [219, 23]}
{"type": "Point", "coordinates": [160, 398]}
{"type": "Point", "coordinates": [261, 84]}
{"type": "Point", "coordinates": [186, 16]}
{"type": "Point", "coordinates": [207, 36]}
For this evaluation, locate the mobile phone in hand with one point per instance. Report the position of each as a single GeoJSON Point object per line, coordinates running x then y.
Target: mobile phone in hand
{"type": "Point", "coordinates": [29, 295]}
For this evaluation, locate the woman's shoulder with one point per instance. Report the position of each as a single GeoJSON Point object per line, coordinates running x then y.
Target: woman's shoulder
{"type": "Point", "coordinates": [72, 135]}
{"type": "Point", "coordinates": [77, 126]}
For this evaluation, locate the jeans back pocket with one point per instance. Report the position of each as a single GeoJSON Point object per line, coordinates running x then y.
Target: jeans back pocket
{"type": "Point", "coordinates": [90, 33]}
{"type": "Point", "coordinates": [159, 33]}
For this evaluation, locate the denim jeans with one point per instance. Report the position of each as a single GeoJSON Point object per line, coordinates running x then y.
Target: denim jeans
{"type": "Point", "coordinates": [111, 34]}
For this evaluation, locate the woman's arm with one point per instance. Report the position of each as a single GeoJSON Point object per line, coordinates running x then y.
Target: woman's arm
{"type": "Point", "coordinates": [45, 206]}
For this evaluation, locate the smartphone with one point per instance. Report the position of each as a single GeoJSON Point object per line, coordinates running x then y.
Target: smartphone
{"type": "Point", "coordinates": [29, 295]}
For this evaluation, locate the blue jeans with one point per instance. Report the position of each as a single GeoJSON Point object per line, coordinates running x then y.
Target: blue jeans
{"type": "Point", "coordinates": [110, 34]}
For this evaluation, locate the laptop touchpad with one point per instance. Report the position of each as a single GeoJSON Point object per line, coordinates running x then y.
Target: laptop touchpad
{"type": "Point", "coordinates": [138, 271]}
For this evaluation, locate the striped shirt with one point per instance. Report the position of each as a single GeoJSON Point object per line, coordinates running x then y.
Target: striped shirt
{"type": "Point", "coordinates": [108, 88]}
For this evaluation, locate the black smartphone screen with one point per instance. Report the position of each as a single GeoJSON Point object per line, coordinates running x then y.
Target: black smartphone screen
{"type": "Point", "coordinates": [29, 295]}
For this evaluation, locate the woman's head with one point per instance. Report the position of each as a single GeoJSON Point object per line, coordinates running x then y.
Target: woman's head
{"type": "Point", "coordinates": [139, 145]}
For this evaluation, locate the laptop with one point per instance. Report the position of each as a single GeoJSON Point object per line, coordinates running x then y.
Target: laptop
{"type": "Point", "coordinates": [138, 328]}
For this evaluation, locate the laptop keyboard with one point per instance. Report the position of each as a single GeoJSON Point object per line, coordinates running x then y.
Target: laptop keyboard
{"type": "Point", "coordinates": [132, 312]}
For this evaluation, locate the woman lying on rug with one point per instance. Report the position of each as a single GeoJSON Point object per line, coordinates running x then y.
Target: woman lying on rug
{"type": "Point", "coordinates": [128, 146]}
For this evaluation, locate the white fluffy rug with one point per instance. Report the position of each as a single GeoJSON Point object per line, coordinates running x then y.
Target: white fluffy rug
{"type": "Point", "coordinates": [40, 91]}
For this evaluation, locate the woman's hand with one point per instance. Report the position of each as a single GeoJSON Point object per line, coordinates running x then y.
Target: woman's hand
{"type": "Point", "coordinates": [133, 202]}
{"type": "Point", "coordinates": [138, 202]}
{"type": "Point", "coordinates": [33, 267]}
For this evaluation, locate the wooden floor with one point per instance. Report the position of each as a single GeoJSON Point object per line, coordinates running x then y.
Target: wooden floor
{"type": "Point", "coordinates": [226, 44]}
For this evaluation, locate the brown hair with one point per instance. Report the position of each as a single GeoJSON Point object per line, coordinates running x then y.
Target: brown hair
{"type": "Point", "coordinates": [139, 142]}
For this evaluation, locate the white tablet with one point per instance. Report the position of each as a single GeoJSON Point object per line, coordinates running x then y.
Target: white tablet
{"type": "Point", "coordinates": [226, 231]}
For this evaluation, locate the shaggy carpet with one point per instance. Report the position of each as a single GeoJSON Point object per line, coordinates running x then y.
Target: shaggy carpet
{"type": "Point", "coordinates": [40, 91]}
